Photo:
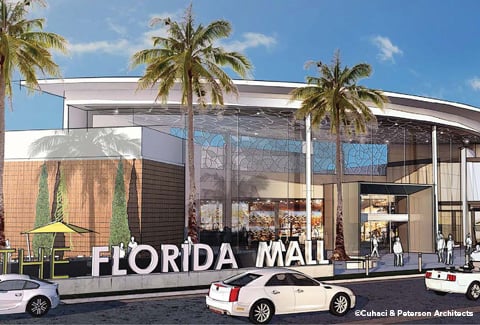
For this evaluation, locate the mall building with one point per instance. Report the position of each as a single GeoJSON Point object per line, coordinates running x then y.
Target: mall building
{"type": "Point", "coordinates": [415, 172]}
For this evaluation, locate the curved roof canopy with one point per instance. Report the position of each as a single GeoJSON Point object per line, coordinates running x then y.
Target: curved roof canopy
{"type": "Point", "coordinates": [262, 107]}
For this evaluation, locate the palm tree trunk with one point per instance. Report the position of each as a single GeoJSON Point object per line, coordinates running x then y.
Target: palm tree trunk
{"type": "Point", "coordinates": [339, 253]}
{"type": "Point", "coordinates": [53, 211]}
{"type": "Point", "coordinates": [2, 158]}
{"type": "Point", "coordinates": [192, 212]}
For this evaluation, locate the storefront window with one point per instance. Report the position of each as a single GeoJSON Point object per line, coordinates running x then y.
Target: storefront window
{"type": "Point", "coordinates": [263, 220]}
{"type": "Point", "coordinates": [212, 215]}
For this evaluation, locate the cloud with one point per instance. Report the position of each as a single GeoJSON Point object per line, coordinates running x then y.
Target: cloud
{"type": "Point", "coordinates": [250, 40]}
{"type": "Point", "coordinates": [386, 47]}
{"type": "Point", "coordinates": [111, 47]}
{"type": "Point", "coordinates": [474, 83]}
{"type": "Point", "coordinates": [119, 29]}
{"type": "Point", "coordinates": [127, 45]}
{"type": "Point", "coordinates": [35, 9]}
{"type": "Point", "coordinates": [124, 47]}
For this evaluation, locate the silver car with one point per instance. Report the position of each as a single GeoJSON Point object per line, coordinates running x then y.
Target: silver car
{"type": "Point", "coordinates": [21, 293]}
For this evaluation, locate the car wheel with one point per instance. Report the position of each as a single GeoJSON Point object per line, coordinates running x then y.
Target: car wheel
{"type": "Point", "coordinates": [440, 293]}
{"type": "Point", "coordinates": [340, 304]}
{"type": "Point", "coordinates": [473, 291]}
{"type": "Point", "coordinates": [261, 312]}
{"type": "Point", "coordinates": [38, 306]}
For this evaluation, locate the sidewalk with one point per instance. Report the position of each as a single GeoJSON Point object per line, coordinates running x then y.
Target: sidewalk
{"type": "Point", "coordinates": [385, 264]}
{"type": "Point", "coordinates": [383, 268]}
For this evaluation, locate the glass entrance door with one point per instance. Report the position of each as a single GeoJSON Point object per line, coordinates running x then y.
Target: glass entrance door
{"type": "Point", "coordinates": [384, 233]}
{"type": "Point", "coordinates": [383, 218]}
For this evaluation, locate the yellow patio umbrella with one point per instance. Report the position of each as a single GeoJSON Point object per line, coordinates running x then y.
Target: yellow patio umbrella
{"type": "Point", "coordinates": [54, 228]}
{"type": "Point", "coordinates": [58, 226]}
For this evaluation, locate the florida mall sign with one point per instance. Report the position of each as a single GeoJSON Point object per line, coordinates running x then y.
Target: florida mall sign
{"type": "Point", "coordinates": [269, 254]}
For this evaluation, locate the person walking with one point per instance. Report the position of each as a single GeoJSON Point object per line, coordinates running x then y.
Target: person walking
{"type": "Point", "coordinates": [375, 246]}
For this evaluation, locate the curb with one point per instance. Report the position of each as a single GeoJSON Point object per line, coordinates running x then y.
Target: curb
{"type": "Point", "coordinates": [182, 293]}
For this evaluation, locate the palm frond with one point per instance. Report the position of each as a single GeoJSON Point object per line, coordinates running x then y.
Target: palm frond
{"type": "Point", "coordinates": [25, 46]}
{"type": "Point", "coordinates": [335, 94]}
{"type": "Point", "coordinates": [189, 55]}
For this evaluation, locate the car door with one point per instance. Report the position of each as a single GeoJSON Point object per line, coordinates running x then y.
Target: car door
{"type": "Point", "coordinates": [280, 291]}
{"type": "Point", "coordinates": [309, 294]}
{"type": "Point", "coordinates": [11, 295]}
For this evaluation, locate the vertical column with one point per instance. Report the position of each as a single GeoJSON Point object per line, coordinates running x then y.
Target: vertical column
{"type": "Point", "coordinates": [435, 177]}
{"type": "Point", "coordinates": [463, 192]}
{"type": "Point", "coordinates": [308, 176]}
{"type": "Point", "coordinates": [227, 209]}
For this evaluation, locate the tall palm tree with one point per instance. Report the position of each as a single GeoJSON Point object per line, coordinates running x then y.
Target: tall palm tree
{"type": "Point", "coordinates": [335, 96]}
{"type": "Point", "coordinates": [24, 47]}
{"type": "Point", "coordinates": [189, 56]}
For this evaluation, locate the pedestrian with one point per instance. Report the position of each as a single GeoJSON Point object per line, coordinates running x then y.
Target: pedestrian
{"type": "Point", "coordinates": [249, 239]}
{"type": "Point", "coordinates": [468, 244]}
{"type": "Point", "coordinates": [440, 247]}
{"type": "Point", "coordinates": [375, 246]}
{"type": "Point", "coordinates": [450, 245]}
{"type": "Point", "coordinates": [131, 245]}
{"type": "Point", "coordinates": [122, 250]}
{"type": "Point", "coordinates": [398, 251]}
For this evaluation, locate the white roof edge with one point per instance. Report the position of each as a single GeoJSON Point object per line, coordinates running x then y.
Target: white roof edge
{"type": "Point", "coordinates": [244, 82]}
{"type": "Point", "coordinates": [422, 117]}
{"type": "Point", "coordinates": [135, 79]}
{"type": "Point", "coordinates": [86, 79]}
{"type": "Point", "coordinates": [430, 100]}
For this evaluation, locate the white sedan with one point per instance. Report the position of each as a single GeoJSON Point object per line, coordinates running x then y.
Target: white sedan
{"type": "Point", "coordinates": [261, 293]}
{"type": "Point", "coordinates": [21, 293]}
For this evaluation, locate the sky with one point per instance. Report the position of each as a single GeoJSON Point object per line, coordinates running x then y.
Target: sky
{"type": "Point", "coordinates": [426, 48]}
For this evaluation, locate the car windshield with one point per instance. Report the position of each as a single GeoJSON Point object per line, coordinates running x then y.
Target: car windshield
{"type": "Point", "coordinates": [241, 279]}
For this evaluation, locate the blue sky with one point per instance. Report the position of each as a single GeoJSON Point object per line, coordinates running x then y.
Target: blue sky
{"type": "Point", "coordinates": [424, 47]}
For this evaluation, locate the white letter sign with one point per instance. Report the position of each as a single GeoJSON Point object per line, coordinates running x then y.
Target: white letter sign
{"type": "Point", "coordinates": [96, 259]}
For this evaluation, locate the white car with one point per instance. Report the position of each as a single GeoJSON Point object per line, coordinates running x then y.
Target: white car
{"type": "Point", "coordinates": [462, 281]}
{"type": "Point", "coordinates": [261, 293]}
{"type": "Point", "coordinates": [21, 293]}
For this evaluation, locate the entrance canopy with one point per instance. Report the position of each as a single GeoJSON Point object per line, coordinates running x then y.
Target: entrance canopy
{"type": "Point", "coordinates": [391, 189]}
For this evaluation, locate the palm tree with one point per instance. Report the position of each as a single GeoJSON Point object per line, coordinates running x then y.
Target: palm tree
{"type": "Point", "coordinates": [335, 96]}
{"type": "Point", "coordinates": [189, 56]}
{"type": "Point", "coordinates": [24, 47]}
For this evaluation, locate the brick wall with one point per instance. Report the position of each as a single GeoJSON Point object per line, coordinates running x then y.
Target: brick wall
{"type": "Point", "coordinates": [163, 203]}
{"type": "Point", "coordinates": [155, 200]}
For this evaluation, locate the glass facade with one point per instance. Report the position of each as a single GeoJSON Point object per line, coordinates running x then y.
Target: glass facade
{"type": "Point", "coordinates": [252, 170]}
